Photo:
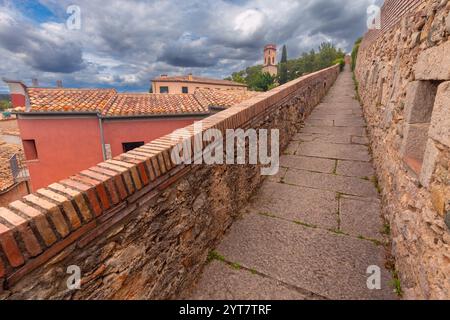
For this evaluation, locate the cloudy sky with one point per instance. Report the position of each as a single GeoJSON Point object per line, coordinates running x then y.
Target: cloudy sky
{"type": "Point", "coordinates": [125, 43]}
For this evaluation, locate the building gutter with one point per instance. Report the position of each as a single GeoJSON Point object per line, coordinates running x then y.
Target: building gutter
{"type": "Point", "coordinates": [107, 117]}
{"type": "Point", "coordinates": [102, 136]}
{"type": "Point", "coordinates": [52, 114]}
{"type": "Point", "coordinates": [156, 116]}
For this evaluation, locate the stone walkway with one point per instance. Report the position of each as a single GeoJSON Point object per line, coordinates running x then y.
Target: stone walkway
{"type": "Point", "coordinates": [313, 230]}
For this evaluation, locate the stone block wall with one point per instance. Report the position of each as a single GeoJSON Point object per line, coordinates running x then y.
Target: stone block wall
{"type": "Point", "coordinates": [404, 85]}
{"type": "Point", "coordinates": [139, 226]}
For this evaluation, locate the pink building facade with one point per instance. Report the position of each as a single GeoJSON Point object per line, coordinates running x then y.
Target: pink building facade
{"type": "Point", "coordinates": [65, 131]}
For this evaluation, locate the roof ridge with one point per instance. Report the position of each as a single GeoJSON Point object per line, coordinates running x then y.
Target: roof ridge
{"type": "Point", "coordinates": [79, 89]}
{"type": "Point", "coordinates": [109, 103]}
{"type": "Point", "coordinates": [198, 101]}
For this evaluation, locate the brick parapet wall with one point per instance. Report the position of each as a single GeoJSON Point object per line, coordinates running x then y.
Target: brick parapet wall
{"type": "Point", "coordinates": [138, 225]}
{"type": "Point", "coordinates": [403, 84]}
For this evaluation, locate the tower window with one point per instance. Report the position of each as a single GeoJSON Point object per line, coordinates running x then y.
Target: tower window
{"type": "Point", "coordinates": [163, 89]}
{"type": "Point", "coordinates": [184, 90]}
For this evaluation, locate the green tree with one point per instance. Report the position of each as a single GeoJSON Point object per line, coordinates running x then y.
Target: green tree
{"type": "Point", "coordinates": [326, 56]}
{"type": "Point", "coordinates": [5, 104]}
{"type": "Point", "coordinates": [284, 58]}
{"type": "Point", "coordinates": [283, 69]}
{"type": "Point", "coordinates": [263, 81]}
{"type": "Point", "coordinates": [355, 53]}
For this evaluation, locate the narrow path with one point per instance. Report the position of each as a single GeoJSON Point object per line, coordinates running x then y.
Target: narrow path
{"type": "Point", "coordinates": [313, 230]}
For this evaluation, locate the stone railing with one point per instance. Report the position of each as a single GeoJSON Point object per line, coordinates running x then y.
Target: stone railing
{"type": "Point", "coordinates": [404, 85]}
{"type": "Point", "coordinates": [139, 226]}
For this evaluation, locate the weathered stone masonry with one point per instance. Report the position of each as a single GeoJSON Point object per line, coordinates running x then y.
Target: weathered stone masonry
{"type": "Point", "coordinates": [138, 226]}
{"type": "Point", "coordinates": [404, 85]}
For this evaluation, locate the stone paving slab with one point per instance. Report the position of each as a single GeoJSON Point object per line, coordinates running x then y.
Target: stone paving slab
{"type": "Point", "coordinates": [302, 205]}
{"type": "Point", "coordinates": [330, 182]}
{"type": "Point", "coordinates": [309, 231]}
{"type": "Point", "coordinates": [361, 218]}
{"type": "Point", "coordinates": [352, 131]}
{"type": "Point", "coordinates": [308, 163]}
{"type": "Point", "coordinates": [355, 169]}
{"type": "Point", "coordinates": [321, 122]}
{"type": "Point", "coordinates": [334, 117]}
{"type": "Point", "coordinates": [221, 282]}
{"type": "Point", "coordinates": [315, 260]}
{"type": "Point", "coordinates": [360, 140]}
{"type": "Point", "coordinates": [327, 138]}
{"type": "Point", "coordinates": [334, 151]}
{"type": "Point", "coordinates": [279, 176]}
{"type": "Point", "coordinates": [350, 123]}
{"type": "Point", "coordinates": [292, 148]}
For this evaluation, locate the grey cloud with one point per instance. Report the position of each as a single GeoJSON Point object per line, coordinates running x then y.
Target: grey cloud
{"type": "Point", "coordinates": [138, 40]}
{"type": "Point", "coordinates": [38, 49]}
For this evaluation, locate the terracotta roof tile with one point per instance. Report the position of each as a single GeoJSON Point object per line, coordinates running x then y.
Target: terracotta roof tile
{"type": "Point", "coordinates": [127, 104]}
{"type": "Point", "coordinates": [110, 103]}
{"type": "Point", "coordinates": [7, 150]}
{"type": "Point", "coordinates": [222, 98]}
{"type": "Point", "coordinates": [74, 100]}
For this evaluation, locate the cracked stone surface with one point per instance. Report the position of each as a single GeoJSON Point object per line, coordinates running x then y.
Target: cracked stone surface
{"type": "Point", "coordinates": [307, 163]}
{"type": "Point", "coordinates": [222, 282]}
{"type": "Point", "coordinates": [355, 169]}
{"type": "Point", "coordinates": [310, 206]}
{"type": "Point", "coordinates": [313, 230]}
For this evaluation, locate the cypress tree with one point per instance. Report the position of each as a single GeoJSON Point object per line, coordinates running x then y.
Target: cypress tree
{"type": "Point", "coordinates": [283, 69]}
{"type": "Point", "coordinates": [284, 55]}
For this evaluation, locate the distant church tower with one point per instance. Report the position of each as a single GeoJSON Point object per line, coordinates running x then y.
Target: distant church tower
{"type": "Point", "coordinates": [270, 59]}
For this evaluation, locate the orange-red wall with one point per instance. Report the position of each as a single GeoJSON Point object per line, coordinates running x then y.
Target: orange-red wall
{"type": "Point", "coordinates": [17, 100]}
{"type": "Point", "coordinates": [117, 132]}
{"type": "Point", "coordinates": [66, 146]}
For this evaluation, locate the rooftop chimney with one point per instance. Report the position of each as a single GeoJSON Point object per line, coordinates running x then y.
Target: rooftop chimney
{"type": "Point", "coordinates": [35, 82]}
{"type": "Point", "coordinates": [59, 84]}
{"type": "Point", "coordinates": [164, 76]}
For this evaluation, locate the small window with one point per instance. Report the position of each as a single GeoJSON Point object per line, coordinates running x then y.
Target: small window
{"type": "Point", "coordinates": [29, 148]}
{"type": "Point", "coordinates": [163, 89]}
{"type": "Point", "coordinates": [128, 146]}
{"type": "Point", "coordinates": [185, 90]}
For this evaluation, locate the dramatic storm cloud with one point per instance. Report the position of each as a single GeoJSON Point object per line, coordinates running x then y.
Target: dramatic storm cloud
{"type": "Point", "coordinates": [125, 43]}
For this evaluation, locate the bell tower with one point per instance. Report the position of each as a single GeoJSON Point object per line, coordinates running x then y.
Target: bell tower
{"type": "Point", "coordinates": [270, 59]}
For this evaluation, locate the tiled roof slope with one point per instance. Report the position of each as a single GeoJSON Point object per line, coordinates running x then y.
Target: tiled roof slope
{"type": "Point", "coordinates": [153, 104]}
{"type": "Point", "coordinates": [109, 103]}
{"type": "Point", "coordinates": [76, 100]}
{"type": "Point", "coordinates": [195, 79]}
{"type": "Point", "coordinates": [222, 98]}
{"type": "Point", "coordinates": [7, 150]}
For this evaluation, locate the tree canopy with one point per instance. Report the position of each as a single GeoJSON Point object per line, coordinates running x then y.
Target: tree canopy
{"type": "Point", "coordinates": [326, 56]}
